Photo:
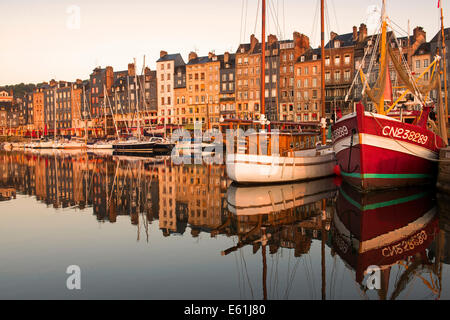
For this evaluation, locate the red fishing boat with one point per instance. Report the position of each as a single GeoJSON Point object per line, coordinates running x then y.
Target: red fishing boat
{"type": "Point", "coordinates": [375, 151]}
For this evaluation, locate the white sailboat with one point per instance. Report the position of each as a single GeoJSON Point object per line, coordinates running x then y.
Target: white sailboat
{"type": "Point", "coordinates": [299, 156]}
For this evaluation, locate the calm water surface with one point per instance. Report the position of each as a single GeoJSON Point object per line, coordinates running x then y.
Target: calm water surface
{"type": "Point", "coordinates": [148, 229]}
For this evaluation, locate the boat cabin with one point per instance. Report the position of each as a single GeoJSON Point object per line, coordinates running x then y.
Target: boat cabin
{"type": "Point", "coordinates": [286, 143]}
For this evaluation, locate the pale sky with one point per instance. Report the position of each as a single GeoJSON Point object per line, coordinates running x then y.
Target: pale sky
{"type": "Point", "coordinates": [40, 39]}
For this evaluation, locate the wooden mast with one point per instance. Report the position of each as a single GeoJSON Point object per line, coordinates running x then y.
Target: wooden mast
{"type": "Point", "coordinates": [444, 56]}
{"type": "Point", "coordinates": [263, 63]}
{"type": "Point", "coordinates": [322, 66]}
{"type": "Point", "coordinates": [382, 53]}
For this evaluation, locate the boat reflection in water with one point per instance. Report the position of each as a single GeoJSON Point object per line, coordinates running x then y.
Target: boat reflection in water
{"type": "Point", "coordinates": [387, 229]}
{"type": "Point", "coordinates": [279, 216]}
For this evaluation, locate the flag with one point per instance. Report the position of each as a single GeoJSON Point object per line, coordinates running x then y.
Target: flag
{"type": "Point", "coordinates": [388, 96]}
{"type": "Point", "coordinates": [439, 4]}
{"type": "Point", "coordinates": [339, 113]}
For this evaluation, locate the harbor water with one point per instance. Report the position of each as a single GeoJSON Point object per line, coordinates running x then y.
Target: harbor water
{"type": "Point", "coordinates": [145, 228]}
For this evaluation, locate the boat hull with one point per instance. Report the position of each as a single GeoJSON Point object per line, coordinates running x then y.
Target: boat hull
{"type": "Point", "coordinates": [134, 147]}
{"type": "Point", "coordinates": [248, 168]}
{"type": "Point", "coordinates": [377, 152]}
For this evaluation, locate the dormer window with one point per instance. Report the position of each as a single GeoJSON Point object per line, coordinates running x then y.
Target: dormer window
{"type": "Point", "coordinates": [315, 57]}
{"type": "Point", "coordinates": [302, 58]}
{"type": "Point", "coordinates": [242, 50]}
{"type": "Point", "coordinates": [337, 44]}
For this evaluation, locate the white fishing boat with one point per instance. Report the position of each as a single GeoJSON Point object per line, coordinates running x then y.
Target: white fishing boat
{"type": "Point", "coordinates": [44, 144]}
{"type": "Point", "coordinates": [7, 146]}
{"type": "Point", "coordinates": [73, 144]}
{"type": "Point", "coordinates": [102, 144]}
{"type": "Point", "coordinates": [281, 156]}
{"type": "Point", "coordinates": [190, 148]}
{"type": "Point", "coordinates": [32, 144]}
{"type": "Point", "coordinates": [256, 200]}
{"type": "Point", "coordinates": [18, 145]}
{"type": "Point", "coordinates": [58, 144]}
{"type": "Point", "coordinates": [299, 157]}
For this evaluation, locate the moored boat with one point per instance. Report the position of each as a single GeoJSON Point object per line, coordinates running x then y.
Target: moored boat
{"type": "Point", "coordinates": [377, 151]}
{"type": "Point", "coordinates": [299, 157]}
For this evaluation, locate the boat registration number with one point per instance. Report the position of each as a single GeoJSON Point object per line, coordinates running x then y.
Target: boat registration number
{"type": "Point", "coordinates": [340, 132]}
{"type": "Point", "coordinates": [404, 134]}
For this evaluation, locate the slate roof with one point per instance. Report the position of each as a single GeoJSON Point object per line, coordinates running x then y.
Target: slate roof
{"type": "Point", "coordinates": [176, 57]}
{"type": "Point", "coordinates": [199, 60]}
{"type": "Point", "coordinates": [346, 40]}
{"type": "Point", "coordinates": [438, 35]}
{"type": "Point", "coordinates": [423, 49]}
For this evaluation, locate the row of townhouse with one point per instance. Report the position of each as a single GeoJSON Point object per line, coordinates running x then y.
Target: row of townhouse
{"type": "Point", "coordinates": [210, 89]}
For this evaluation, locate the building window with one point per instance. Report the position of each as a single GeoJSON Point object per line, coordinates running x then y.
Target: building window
{"type": "Point", "coordinates": [337, 60]}
{"type": "Point", "coordinates": [337, 75]}
{"type": "Point", "coordinates": [347, 75]}
{"type": "Point", "coordinates": [347, 59]}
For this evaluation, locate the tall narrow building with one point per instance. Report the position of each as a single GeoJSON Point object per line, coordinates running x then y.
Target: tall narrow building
{"type": "Point", "coordinates": [165, 71]}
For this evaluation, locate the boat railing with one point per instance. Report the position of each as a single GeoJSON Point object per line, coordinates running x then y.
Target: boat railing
{"type": "Point", "coordinates": [284, 145]}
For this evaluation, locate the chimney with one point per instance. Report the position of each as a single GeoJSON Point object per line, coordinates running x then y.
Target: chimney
{"type": "Point", "coordinates": [162, 53]}
{"type": "Point", "coordinates": [147, 71]}
{"type": "Point", "coordinates": [109, 78]}
{"type": "Point", "coordinates": [333, 35]}
{"type": "Point", "coordinates": [253, 43]}
{"type": "Point", "coordinates": [131, 70]}
{"type": "Point", "coordinates": [362, 32]}
{"type": "Point", "coordinates": [419, 34]}
{"type": "Point", "coordinates": [301, 44]}
{"type": "Point", "coordinates": [419, 37]}
{"type": "Point", "coordinates": [210, 55]}
{"type": "Point", "coordinates": [192, 56]}
{"type": "Point", "coordinates": [355, 33]}
{"type": "Point", "coordinates": [271, 39]}
{"type": "Point", "coordinates": [226, 57]}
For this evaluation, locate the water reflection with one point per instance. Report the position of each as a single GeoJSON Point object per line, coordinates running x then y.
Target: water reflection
{"type": "Point", "coordinates": [143, 189]}
{"type": "Point", "coordinates": [302, 232]}
{"type": "Point", "coordinates": [387, 229]}
{"type": "Point", "coordinates": [280, 216]}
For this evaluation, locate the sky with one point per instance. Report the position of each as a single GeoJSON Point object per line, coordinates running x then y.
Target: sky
{"type": "Point", "coordinates": [67, 39]}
